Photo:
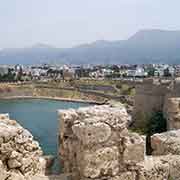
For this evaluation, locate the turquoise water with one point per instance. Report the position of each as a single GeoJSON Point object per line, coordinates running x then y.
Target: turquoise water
{"type": "Point", "coordinates": [39, 117]}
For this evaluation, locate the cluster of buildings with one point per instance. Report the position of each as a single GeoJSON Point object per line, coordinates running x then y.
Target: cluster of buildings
{"type": "Point", "coordinates": [135, 71]}
{"type": "Point", "coordinates": [46, 72]}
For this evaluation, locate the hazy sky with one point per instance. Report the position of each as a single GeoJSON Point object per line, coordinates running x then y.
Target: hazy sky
{"type": "Point", "coordinates": [65, 23]}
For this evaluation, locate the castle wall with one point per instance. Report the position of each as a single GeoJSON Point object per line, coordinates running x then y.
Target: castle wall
{"type": "Point", "coordinates": [157, 96]}
{"type": "Point", "coordinates": [172, 112]}
{"type": "Point", "coordinates": [148, 99]}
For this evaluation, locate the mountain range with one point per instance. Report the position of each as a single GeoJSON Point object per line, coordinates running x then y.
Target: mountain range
{"type": "Point", "coordinates": [145, 46]}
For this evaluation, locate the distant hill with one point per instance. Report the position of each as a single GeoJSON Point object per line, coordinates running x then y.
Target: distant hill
{"type": "Point", "coordinates": [146, 46]}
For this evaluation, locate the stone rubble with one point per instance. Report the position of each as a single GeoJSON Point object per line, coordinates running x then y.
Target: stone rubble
{"type": "Point", "coordinates": [20, 156]}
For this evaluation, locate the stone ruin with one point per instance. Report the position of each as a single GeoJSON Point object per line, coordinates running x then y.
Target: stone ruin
{"type": "Point", "coordinates": [95, 144]}
{"type": "Point", "coordinates": [157, 95]}
{"type": "Point", "coordinates": [20, 156]}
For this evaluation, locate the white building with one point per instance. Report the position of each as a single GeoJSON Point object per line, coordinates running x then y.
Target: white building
{"type": "Point", "coordinates": [138, 72]}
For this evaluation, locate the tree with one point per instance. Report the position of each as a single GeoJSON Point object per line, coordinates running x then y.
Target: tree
{"type": "Point", "coordinates": [157, 123]}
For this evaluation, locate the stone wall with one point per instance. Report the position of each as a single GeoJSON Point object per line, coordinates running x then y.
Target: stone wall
{"type": "Point", "coordinates": [32, 91]}
{"type": "Point", "coordinates": [166, 143]}
{"type": "Point", "coordinates": [150, 97]}
{"type": "Point", "coordinates": [10, 91]}
{"type": "Point", "coordinates": [95, 143]}
{"type": "Point", "coordinates": [20, 156]}
{"type": "Point", "coordinates": [154, 96]}
{"type": "Point", "coordinates": [172, 112]}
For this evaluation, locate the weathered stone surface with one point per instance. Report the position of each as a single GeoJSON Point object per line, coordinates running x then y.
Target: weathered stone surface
{"type": "Point", "coordinates": [125, 176]}
{"type": "Point", "coordinates": [14, 163]}
{"type": "Point", "coordinates": [96, 144]}
{"type": "Point", "coordinates": [4, 116]}
{"type": "Point", "coordinates": [3, 172]}
{"type": "Point", "coordinates": [174, 166]}
{"type": "Point", "coordinates": [91, 132]}
{"type": "Point", "coordinates": [160, 168]}
{"type": "Point", "coordinates": [153, 169]}
{"type": "Point", "coordinates": [172, 113]}
{"type": "Point", "coordinates": [102, 162]}
{"type": "Point", "coordinates": [90, 140]}
{"type": "Point", "coordinates": [20, 156]}
{"type": "Point", "coordinates": [166, 143]}
{"type": "Point", "coordinates": [134, 146]}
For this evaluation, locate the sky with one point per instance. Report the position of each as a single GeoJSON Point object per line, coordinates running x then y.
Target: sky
{"type": "Point", "coordinates": [67, 23]}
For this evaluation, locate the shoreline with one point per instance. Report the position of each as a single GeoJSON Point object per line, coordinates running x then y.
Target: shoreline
{"type": "Point", "coordinates": [52, 98]}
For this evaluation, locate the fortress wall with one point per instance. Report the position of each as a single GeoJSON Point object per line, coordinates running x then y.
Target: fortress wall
{"type": "Point", "coordinates": [157, 96]}
{"type": "Point", "coordinates": [25, 91]}
{"type": "Point", "coordinates": [172, 113]}
{"type": "Point", "coordinates": [9, 91]}
{"type": "Point", "coordinates": [172, 107]}
{"type": "Point", "coordinates": [148, 99]}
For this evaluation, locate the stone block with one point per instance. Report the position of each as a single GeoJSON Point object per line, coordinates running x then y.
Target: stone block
{"type": "Point", "coordinates": [166, 143]}
{"type": "Point", "coordinates": [102, 162]}
{"type": "Point", "coordinates": [91, 133]}
{"type": "Point", "coordinates": [134, 148]}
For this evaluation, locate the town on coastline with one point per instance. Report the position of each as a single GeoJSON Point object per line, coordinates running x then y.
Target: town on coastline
{"type": "Point", "coordinates": [49, 72]}
{"type": "Point", "coordinates": [89, 90]}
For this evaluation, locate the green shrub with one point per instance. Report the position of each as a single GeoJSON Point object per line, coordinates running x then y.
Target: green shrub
{"type": "Point", "coordinates": [157, 123]}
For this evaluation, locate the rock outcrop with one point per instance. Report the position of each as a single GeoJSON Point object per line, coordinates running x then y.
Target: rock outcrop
{"type": "Point", "coordinates": [20, 156]}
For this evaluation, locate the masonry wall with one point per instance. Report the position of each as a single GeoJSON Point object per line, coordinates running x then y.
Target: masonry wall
{"type": "Point", "coordinates": [157, 96]}
{"type": "Point", "coordinates": [172, 112]}
{"type": "Point", "coordinates": [148, 99]}
{"type": "Point", "coordinates": [95, 144]}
